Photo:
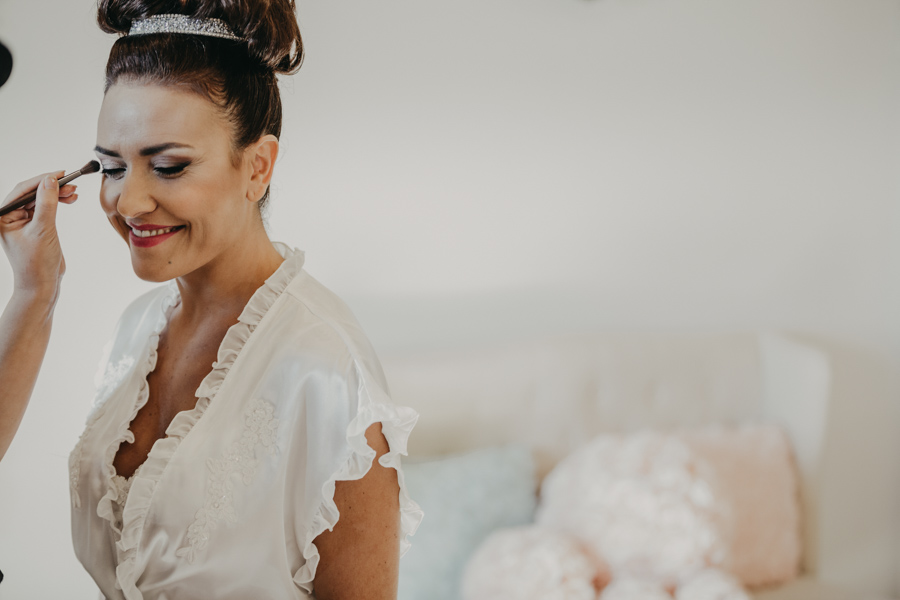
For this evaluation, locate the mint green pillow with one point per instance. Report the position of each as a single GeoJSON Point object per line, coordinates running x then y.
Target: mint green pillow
{"type": "Point", "coordinates": [465, 497]}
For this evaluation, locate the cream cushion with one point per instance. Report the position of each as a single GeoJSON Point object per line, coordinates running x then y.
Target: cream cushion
{"type": "Point", "coordinates": [555, 395]}
{"type": "Point", "coordinates": [810, 588]}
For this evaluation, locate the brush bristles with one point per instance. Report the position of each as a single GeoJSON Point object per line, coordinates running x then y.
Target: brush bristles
{"type": "Point", "coordinates": [91, 167]}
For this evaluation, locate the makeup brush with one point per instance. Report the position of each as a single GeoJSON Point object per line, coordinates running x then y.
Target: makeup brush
{"type": "Point", "coordinates": [91, 167]}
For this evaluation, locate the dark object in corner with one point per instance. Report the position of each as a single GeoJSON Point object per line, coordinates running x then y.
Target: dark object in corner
{"type": "Point", "coordinates": [5, 70]}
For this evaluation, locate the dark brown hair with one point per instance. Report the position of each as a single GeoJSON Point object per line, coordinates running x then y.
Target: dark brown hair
{"type": "Point", "coordinates": [237, 76]}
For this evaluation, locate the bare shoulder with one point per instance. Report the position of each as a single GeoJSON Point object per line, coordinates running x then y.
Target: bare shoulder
{"type": "Point", "coordinates": [360, 558]}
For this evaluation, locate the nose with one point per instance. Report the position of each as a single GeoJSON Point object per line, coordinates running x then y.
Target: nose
{"type": "Point", "coordinates": [134, 196]}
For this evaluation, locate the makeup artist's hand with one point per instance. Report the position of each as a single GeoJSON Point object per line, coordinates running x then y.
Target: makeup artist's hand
{"type": "Point", "coordinates": [29, 237]}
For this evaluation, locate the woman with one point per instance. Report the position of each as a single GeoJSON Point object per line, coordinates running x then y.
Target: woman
{"type": "Point", "coordinates": [275, 474]}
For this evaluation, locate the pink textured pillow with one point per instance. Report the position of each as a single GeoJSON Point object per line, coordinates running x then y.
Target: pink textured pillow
{"type": "Point", "coordinates": [756, 479]}
{"type": "Point", "coordinates": [532, 563]}
{"type": "Point", "coordinates": [659, 506]}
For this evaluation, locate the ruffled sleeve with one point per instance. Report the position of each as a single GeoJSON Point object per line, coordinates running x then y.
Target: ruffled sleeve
{"type": "Point", "coordinates": [349, 457]}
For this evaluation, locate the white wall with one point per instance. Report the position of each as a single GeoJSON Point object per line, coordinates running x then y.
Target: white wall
{"type": "Point", "coordinates": [550, 165]}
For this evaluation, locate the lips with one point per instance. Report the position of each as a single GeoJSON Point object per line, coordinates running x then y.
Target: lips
{"type": "Point", "coordinates": [144, 236]}
{"type": "Point", "coordinates": [145, 233]}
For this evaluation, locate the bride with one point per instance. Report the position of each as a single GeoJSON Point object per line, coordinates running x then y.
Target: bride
{"type": "Point", "coordinates": [242, 443]}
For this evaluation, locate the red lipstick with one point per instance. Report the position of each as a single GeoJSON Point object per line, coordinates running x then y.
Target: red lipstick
{"type": "Point", "coordinates": [153, 240]}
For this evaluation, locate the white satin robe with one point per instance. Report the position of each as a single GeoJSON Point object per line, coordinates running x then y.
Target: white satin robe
{"type": "Point", "coordinates": [228, 503]}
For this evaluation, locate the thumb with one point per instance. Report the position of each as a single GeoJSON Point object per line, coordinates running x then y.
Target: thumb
{"type": "Point", "coordinates": [47, 201]}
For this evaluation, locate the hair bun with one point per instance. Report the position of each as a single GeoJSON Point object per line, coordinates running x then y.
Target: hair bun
{"type": "Point", "coordinates": [268, 26]}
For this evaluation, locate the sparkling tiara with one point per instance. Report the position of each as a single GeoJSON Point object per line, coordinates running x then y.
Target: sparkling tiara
{"type": "Point", "coordinates": [183, 24]}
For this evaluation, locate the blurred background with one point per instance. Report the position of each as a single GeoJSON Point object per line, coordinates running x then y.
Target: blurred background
{"type": "Point", "coordinates": [473, 171]}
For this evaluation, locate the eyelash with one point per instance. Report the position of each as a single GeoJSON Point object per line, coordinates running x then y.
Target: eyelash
{"type": "Point", "coordinates": [165, 172]}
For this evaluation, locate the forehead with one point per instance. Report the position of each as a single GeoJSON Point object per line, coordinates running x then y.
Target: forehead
{"type": "Point", "coordinates": [135, 115]}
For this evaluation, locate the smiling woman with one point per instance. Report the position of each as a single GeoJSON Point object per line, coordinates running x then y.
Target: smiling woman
{"type": "Point", "coordinates": [167, 152]}
{"type": "Point", "coordinates": [242, 443]}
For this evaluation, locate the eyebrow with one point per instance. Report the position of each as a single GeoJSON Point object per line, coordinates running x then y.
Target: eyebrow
{"type": "Point", "coordinates": [148, 151]}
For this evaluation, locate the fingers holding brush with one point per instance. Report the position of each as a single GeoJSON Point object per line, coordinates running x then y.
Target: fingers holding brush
{"type": "Point", "coordinates": [29, 185]}
{"type": "Point", "coordinates": [24, 187]}
{"type": "Point", "coordinates": [67, 193]}
{"type": "Point", "coordinates": [47, 202]}
{"type": "Point", "coordinates": [28, 231]}
{"type": "Point", "coordinates": [19, 215]}
{"type": "Point", "coordinates": [30, 239]}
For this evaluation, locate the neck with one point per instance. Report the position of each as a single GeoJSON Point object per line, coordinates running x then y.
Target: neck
{"type": "Point", "coordinates": [222, 287]}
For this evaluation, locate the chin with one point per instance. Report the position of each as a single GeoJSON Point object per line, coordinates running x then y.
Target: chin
{"type": "Point", "coordinates": [153, 273]}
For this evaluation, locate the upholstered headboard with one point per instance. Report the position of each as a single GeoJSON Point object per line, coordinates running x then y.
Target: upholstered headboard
{"type": "Point", "coordinates": [554, 395]}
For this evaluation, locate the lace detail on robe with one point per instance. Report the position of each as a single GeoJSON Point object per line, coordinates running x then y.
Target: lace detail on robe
{"type": "Point", "coordinates": [260, 426]}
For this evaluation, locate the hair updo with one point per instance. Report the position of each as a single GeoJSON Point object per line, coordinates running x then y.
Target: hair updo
{"type": "Point", "coordinates": [237, 76]}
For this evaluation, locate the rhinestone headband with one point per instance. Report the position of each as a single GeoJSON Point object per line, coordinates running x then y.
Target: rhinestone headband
{"type": "Point", "coordinates": [182, 24]}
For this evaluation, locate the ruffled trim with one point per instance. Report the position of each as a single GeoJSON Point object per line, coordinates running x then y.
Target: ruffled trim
{"type": "Point", "coordinates": [104, 507]}
{"type": "Point", "coordinates": [108, 377]}
{"type": "Point", "coordinates": [397, 423]}
{"type": "Point", "coordinates": [144, 484]}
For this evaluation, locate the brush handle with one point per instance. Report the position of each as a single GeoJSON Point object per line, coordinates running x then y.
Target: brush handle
{"type": "Point", "coordinates": [30, 196]}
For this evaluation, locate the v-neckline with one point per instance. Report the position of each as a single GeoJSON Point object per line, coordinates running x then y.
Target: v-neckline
{"type": "Point", "coordinates": [229, 352]}
{"type": "Point", "coordinates": [170, 304]}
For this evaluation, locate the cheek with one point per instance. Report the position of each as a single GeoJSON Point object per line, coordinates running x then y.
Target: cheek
{"type": "Point", "coordinates": [108, 201]}
{"type": "Point", "coordinates": [108, 198]}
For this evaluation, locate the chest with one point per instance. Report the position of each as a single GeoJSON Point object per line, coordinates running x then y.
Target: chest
{"type": "Point", "coordinates": [183, 360]}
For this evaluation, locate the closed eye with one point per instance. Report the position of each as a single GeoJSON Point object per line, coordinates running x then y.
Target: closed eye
{"type": "Point", "coordinates": [173, 171]}
{"type": "Point", "coordinates": [114, 173]}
